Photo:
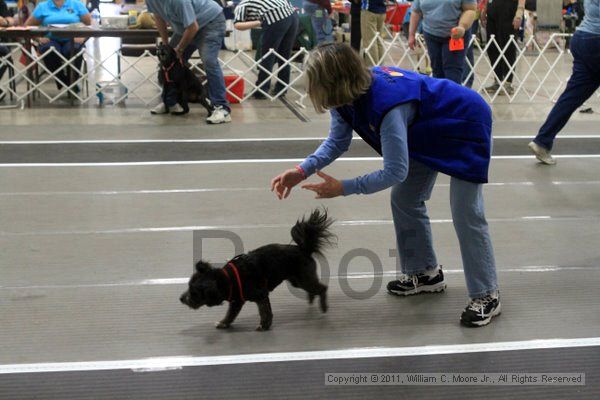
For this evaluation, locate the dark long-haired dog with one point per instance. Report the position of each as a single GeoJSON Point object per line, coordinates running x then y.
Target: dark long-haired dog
{"type": "Point", "coordinates": [178, 79]}
{"type": "Point", "coordinates": [251, 276]}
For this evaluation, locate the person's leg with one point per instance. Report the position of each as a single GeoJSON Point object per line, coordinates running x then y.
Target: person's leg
{"type": "Point", "coordinates": [285, 50]}
{"type": "Point", "coordinates": [4, 51]}
{"type": "Point", "coordinates": [72, 73]}
{"type": "Point", "coordinates": [468, 72]}
{"type": "Point", "coordinates": [468, 216]}
{"type": "Point", "coordinates": [368, 25]}
{"type": "Point", "coordinates": [582, 84]}
{"type": "Point", "coordinates": [355, 35]}
{"type": "Point", "coordinates": [453, 63]}
{"type": "Point", "coordinates": [505, 30]}
{"type": "Point", "coordinates": [209, 41]}
{"type": "Point", "coordinates": [434, 49]}
{"type": "Point", "coordinates": [53, 61]}
{"type": "Point", "coordinates": [493, 52]}
{"type": "Point", "coordinates": [411, 222]}
{"type": "Point", "coordinates": [379, 23]}
{"type": "Point", "coordinates": [271, 39]}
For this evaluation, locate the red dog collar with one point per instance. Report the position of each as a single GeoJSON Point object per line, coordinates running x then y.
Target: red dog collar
{"type": "Point", "coordinates": [238, 279]}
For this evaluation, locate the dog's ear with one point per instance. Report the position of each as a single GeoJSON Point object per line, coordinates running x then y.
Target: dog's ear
{"type": "Point", "coordinates": [203, 266]}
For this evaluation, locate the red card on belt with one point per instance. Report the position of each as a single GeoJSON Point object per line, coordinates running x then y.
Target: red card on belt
{"type": "Point", "coordinates": [457, 44]}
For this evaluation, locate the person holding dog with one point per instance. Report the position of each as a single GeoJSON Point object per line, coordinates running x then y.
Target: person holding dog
{"type": "Point", "coordinates": [421, 126]}
{"type": "Point", "coordinates": [199, 23]}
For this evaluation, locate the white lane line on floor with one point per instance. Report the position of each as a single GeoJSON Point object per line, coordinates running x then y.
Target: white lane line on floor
{"type": "Point", "coordinates": [176, 362]}
{"type": "Point", "coordinates": [353, 275]}
{"type": "Point", "coordinates": [253, 189]}
{"type": "Point", "coordinates": [241, 140]}
{"type": "Point", "coordinates": [373, 222]}
{"type": "Point", "coordinates": [250, 161]}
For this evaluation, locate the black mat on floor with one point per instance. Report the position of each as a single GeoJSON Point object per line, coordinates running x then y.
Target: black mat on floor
{"type": "Point", "coordinates": [306, 379]}
{"type": "Point", "coordinates": [139, 152]}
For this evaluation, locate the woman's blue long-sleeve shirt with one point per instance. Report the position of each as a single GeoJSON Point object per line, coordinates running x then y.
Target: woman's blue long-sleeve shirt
{"type": "Point", "coordinates": [394, 146]}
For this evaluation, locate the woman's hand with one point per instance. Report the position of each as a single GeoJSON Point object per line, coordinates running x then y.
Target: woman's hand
{"type": "Point", "coordinates": [283, 183]}
{"type": "Point", "coordinates": [457, 32]}
{"type": "Point", "coordinates": [411, 42]}
{"type": "Point", "coordinates": [329, 188]}
{"type": "Point", "coordinates": [79, 40]}
{"type": "Point", "coordinates": [43, 40]}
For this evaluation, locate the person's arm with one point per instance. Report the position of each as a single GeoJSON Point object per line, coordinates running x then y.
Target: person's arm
{"type": "Point", "coordinates": [161, 26]}
{"type": "Point", "coordinates": [186, 10]}
{"type": "Point", "coordinates": [186, 38]}
{"type": "Point", "coordinates": [518, 19]}
{"type": "Point", "coordinates": [415, 18]}
{"type": "Point", "coordinates": [394, 146]}
{"type": "Point", "coordinates": [336, 144]}
{"type": "Point", "coordinates": [243, 26]}
{"type": "Point", "coordinates": [466, 20]}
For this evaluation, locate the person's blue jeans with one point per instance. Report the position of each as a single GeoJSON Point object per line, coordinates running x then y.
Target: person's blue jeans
{"type": "Point", "coordinates": [280, 36]}
{"type": "Point", "coordinates": [320, 21]}
{"type": "Point", "coordinates": [413, 229]}
{"type": "Point", "coordinates": [445, 63]}
{"type": "Point", "coordinates": [54, 62]}
{"type": "Point", "coordinates": [584, 81]}
{"type": "Point", "coordinates": [208, 41]}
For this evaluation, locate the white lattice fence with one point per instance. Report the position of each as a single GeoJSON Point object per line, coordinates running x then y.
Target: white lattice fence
{"type": "Point", "coordinates": [540, 72]}
{"type": "Point", "coordinates": [135, 78]}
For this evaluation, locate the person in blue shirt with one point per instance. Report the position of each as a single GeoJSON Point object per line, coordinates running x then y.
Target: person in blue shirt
{"type": "Point", "coordinates": [60, 12]}
{"type": "Point", "coordinates": [197, 24]}
{"type": "Point", "coordinates": [442, 20]}
{"type": "Point", "coordinates": [583, 83]}
{"type": "Point", "coordinates": [420, 126]}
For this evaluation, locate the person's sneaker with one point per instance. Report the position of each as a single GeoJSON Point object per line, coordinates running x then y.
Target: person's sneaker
{"type": "Point", "coordinates": [177, 109]}
{"type": "Point", "coordinates": [219, 115]}
{"type": "Point", "coordinates": [159, 109]}
{"type": "Point", "coordinates": [541, 153]}
{"type": "Point", "coordinates": [492, 88]}
{"type": "Point", "coordinates": [508, 88]}
{"type": "Point", "coordinates": [421, 283]}
{"type": "Point", "coordinates": [479, 312]}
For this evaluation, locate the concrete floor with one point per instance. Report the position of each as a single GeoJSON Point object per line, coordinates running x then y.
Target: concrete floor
{"type": "Point", "coordinates": [95, 254]}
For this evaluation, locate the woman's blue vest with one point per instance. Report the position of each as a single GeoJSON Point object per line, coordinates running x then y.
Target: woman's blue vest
{"type": "Point", "coordinates": [451, 132]}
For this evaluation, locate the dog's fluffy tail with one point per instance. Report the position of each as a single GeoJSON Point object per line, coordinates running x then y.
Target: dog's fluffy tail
{"type": "Point", "coordinates": [312, 234]}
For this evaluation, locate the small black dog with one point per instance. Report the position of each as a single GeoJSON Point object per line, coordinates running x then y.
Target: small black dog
{"type": "Point", "coordinates": [177, 79]}
{"type": "Point", "coordinates": [251, 276]}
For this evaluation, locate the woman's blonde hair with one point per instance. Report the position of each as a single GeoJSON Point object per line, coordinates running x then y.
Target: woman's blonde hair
{"type": "Point", "coordinates": [336, 76]}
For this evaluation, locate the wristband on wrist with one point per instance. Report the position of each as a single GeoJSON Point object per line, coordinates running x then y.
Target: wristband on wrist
{"type": "Point", "coordinates": [299, 169]}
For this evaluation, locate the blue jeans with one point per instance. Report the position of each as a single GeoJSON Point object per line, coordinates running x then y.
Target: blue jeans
{"type": "Point", "coordinates": [320, 21]}
{"type": "Point", "coordinates": [413, 230]}
{"type": "Point", "coordinates": [584, 81]}
{"type": "Point", "coordinates": [445, 63]}
{"type": "Point", "coordinates": [208, 41]}
{"type": "Point", "coordinates": [280, 36]}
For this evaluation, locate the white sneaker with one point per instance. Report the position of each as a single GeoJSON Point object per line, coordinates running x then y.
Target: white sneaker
{"type": "Point", "coordinates": [176, 109]}
{"type": "Point", "coordinates": [159, 109]}
{"type": "Point", "coordinates": [219, 115]}
{"type": "Point", "coordinates": [541, 153]}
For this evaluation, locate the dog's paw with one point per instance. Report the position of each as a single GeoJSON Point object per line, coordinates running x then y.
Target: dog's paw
{"type": "Point", "coordinates": [222, 325]}
{"type": "Point", "coordinates": [261, 328]}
